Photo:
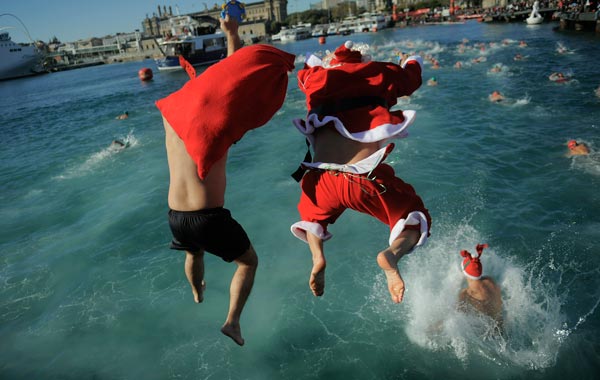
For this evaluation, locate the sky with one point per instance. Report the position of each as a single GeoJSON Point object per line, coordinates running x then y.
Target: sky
{"type": "Point", "coordinates": [72, 20]}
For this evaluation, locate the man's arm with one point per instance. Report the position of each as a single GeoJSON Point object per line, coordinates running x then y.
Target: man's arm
{"type": "Point", "coordinates": [230, 27]}
{"type": "Point", "coordinates": [410, 75]}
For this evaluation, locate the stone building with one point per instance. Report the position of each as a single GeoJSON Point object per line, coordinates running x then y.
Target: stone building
{"type": "Point", "coordinates": [257, 16]}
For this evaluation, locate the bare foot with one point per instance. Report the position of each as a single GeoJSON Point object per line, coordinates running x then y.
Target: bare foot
{"type": "Point", "coordinates": [394, 280]}
{"type": "Point", "coordinates": [317, 283]}
{"type": "Point", "coordinates": [199, 292]}
{"type": "Point", "coordinates": [234, 332]}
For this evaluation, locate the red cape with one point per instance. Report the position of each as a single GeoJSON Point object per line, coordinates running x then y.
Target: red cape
{"type": "Point", "coordinates": [239, 93]}
{"type": "Point", "coordinates": [384, 80]}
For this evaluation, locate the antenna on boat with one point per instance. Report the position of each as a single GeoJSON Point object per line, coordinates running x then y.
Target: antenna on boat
{"type": "Point", "coordinates": [22, 24]}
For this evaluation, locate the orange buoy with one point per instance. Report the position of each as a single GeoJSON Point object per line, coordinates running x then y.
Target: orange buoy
{"type": "Point", "coordinates": [322, 40]}
{"type": "Point", "coordinates": [145, 74]}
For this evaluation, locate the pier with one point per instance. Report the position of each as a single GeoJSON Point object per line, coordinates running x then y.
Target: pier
{"type": "Point", "coordinates": [584, 21]}
{"type": "Point", "coordinates": [520, 16]}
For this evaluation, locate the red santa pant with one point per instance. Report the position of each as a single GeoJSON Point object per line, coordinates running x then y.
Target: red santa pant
{"type": "Point", "coordinates": [327, 194]}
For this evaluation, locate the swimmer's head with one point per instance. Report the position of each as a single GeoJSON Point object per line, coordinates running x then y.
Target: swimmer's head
{"type": "Point", "coordinates": [471, 266]}
{"type": "Point", "coordinates": [572, 144]}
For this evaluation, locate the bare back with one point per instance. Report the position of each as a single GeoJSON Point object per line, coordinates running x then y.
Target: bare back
{"type": "Point", "coordinates": [187, 192]}
{"type": "Point", "coordinates": [332, 147]}
{"type": "Point", "coordinates": [484, 296]}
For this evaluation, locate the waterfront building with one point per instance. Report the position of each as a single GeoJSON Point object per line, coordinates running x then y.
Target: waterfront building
{"type": "Point", "coordinates": [257, 16]}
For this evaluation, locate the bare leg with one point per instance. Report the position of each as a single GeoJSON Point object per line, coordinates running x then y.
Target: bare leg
{"type": "Point", "coordinates": [388, 261]}
{"type": "Point", "coordinates": [194, 271]}
{"type": "Point", "coordinates": [241, 285]}
{"type": "Point", "coordinates": [316, 282]}
{"type": "Point", "coordinates": [317, 278]}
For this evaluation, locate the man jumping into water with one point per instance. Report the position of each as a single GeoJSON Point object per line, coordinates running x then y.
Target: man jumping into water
{"type": "Point", "coordinates": [202, 120]}
{"type": "Point", "coordinates": [482, 294]}
{"type": "Point", "coordinates": [347, 124]}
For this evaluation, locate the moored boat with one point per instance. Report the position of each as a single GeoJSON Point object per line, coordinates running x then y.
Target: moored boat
{"type": "Point", "coordinates": [197, 50]}
{"type": "Point", "coordinates": [200, 45]}
{"type": "Point", "coordinates": [297, 33]}
{"type": "Point", "coordinates": [18, 60]}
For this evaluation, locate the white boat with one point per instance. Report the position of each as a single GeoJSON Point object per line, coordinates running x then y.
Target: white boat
{"type": "Point", "coordinates": [371, 22]}
{"type": "Point", "coordinates": [332, 30]}
{"type": "Point", "coordinates": [18, 60]}
{"type": "Point", "coordinates": [535, 17]}
{"type": "Point", "coordinates": [188, 39]}
{"type": "Point", "coordinates": [320, 31]}
{"type": "Point", "coordinates": [349, 25]}
{"type": "Point", "coordinates": [276, 37]}
{"type": "Point", "coordinates": [296, 33]}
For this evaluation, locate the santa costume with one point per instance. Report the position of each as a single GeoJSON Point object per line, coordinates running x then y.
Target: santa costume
{"type": "Point", "coordinates": [215, 109]}
{"type": "Point", "coordinates": [354, 96]}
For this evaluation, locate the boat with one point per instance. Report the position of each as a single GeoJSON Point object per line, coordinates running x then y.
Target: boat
{"type": "Point", "coordinates": [296, 33]}
{"type": "Point", "coordinates": [200, 50]}
{"type": "Point", "coordinates": [320, 30]}
{"type": "Point", "coordinates": [332, 30]}
{"type": "Point", "coordinates": [371, 22]}
{"type": "Point", "coordinates": [200, 45]}
{"type": "Point", "coordinates": [535, 17]}
{"type": "Point", "coordinates": [349, 25]}
{"type": "Point", "coordinates": [18, 60]}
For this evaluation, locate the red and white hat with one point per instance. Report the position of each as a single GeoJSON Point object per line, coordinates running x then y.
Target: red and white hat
{"type": "Point", "coordinates": [471, 266]}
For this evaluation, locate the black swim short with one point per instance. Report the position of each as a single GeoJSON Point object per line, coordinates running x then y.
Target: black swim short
{"type": "Point", "coordinates": [212, 230]}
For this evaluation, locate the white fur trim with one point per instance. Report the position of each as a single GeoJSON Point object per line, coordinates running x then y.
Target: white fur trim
{"type": "Point", "coordinates": [469, 276]}
{"type": "Point", "coordinates": [313, 61]}
{"type": "Point", "coordinates": [381, 132]}
{"type": "Point", "coordinates": [299, 230]}
{"type": "Point", "coordinates": [417, 58]}
{"type": "Point", "coordinates": [413, 218]}
{"type": "Point", "coordinates": [363, 166]}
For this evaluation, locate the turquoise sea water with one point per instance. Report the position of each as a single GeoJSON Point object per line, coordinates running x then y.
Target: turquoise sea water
{"type": "Point", "coordinates": [90, 290]}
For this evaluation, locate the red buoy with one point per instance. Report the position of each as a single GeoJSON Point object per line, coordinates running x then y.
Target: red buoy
{"type": "Point", "coordinates": [145, 74]}
{"type": "Point", "coordinates": [322, 40]}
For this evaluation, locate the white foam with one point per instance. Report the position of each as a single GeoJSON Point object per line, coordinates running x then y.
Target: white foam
{"type": "Point", "coordinates": [96, 159]}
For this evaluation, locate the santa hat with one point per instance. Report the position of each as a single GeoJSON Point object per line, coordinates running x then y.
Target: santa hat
{"type": "Point", "coordinates": [471, 266]}
{"type": "Point", "coordinates": [572, 144]}
{"type": "Point", "coordinates": [345, 54]}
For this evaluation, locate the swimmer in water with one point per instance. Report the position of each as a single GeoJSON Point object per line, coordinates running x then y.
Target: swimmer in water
{"type": "Point", "coordinates": [119, 145]}
{"type": "Point", "coordinates": [432, 81]}
{"type": "Point", "coordinates": [482, 294]}
{"type": "Point", "coordinates": [123, 116]}
{"type": "Point", "coordinates": [496, 69]}
{"type": "Point", "coordinates": [558, 77]}
{"type": "Point", "coordinates": [496, 97]}
{"type": "Point", "coordinates": [577, 149]}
